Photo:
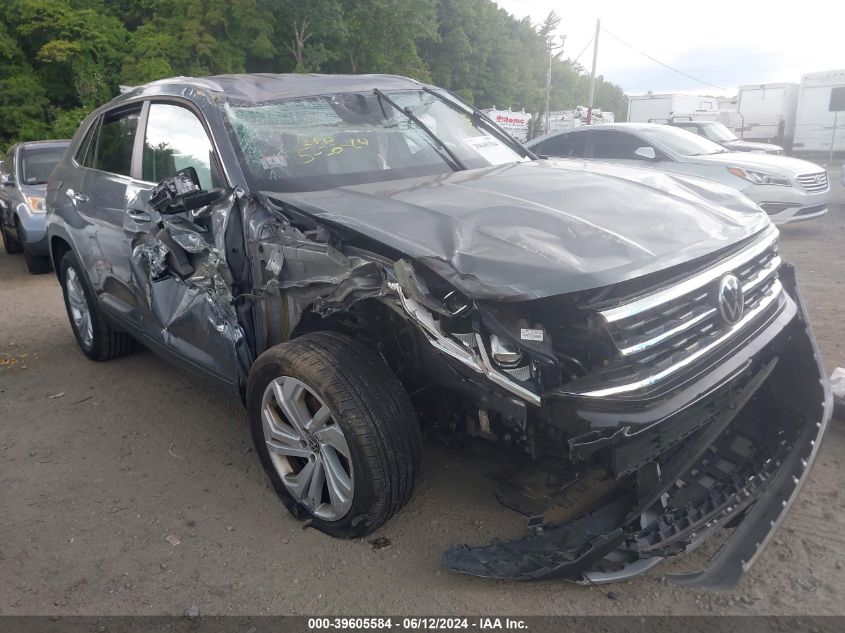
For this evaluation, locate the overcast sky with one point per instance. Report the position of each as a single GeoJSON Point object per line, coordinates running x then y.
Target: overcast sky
{"type": "Point", "coordinates": [723, 43]}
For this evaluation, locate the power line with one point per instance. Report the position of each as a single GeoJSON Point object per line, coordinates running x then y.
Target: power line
{"type": "Point", "coordinates": [575, 61]}
{"type": "Point", "coordinates": [657, 61]}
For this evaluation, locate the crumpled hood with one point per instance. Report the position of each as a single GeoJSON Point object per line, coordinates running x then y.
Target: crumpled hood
{"type": "Point", "coordinates": [540, 228]}
{"type": "Point", "coordinates": [780, 165]}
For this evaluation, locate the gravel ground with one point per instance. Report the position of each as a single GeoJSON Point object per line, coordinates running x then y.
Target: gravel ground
{"type": "Point", "coordinates": [129, 487]}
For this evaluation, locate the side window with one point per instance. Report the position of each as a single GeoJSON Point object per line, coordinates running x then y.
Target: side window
{"type": "Point", "coordinates": [115, 140]}
{"type": "Point", "coordinates": [572, 145]}
{"type": "Point", "coordinates": [175, 139]}
{"type": "Point", "coordinates": [613, 144]}
{"type": "Point", "coordinates": [85, 155]}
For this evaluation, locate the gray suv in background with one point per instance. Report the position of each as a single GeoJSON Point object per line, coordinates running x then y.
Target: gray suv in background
{"type": "Point", "coordinates": [23, 184]}
{"type": "Point", "coordinates": [788, 189]}
{"type": "Point", "coordinates": [364, 258]}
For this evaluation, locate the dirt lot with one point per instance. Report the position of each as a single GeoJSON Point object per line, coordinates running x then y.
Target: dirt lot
{"type": "Point", "coordinates": [130, 487]}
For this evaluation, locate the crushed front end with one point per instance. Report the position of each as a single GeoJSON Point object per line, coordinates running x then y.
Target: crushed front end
{"type": "Point", "coordinates": [673, 406]}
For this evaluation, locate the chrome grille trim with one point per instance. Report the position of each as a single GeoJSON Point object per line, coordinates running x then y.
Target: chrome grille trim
{"type": "Point", "coordinates": [751, 315]}
{"type": "Point", "coordinates": [652, 342]}
{"type": "Point", "coordinates": [763, 275]}
{"type": "Point", "coordinates": [811, 182]}
{"type": "Point", "coordinates": [691, 284]}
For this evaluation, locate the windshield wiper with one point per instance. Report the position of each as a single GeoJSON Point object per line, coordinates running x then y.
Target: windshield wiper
{"type": "Point", "coordinates": [457, 162]}
{"type": "Point", "coordinates": [480, 118]}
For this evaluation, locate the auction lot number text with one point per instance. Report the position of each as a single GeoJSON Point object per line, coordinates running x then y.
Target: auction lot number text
{"type": "Point", "coordinates": [417, 623]}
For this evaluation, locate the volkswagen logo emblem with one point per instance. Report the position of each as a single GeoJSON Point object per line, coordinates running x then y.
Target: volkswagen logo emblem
{"type": "Point", "coordinates": [730, 300]}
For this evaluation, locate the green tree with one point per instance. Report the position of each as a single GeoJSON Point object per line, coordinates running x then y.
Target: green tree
{"type": "Point", "coordinates": [61, 58]}
{"type": "Point", "coordinates": [312, 33]}
{"type": "Point", "coordinates": [62, 42]}
{"type": "Point", "coordinates": [384, 36]}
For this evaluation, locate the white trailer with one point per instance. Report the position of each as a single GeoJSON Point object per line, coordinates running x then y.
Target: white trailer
{"type": "Point", "coordinates": [814, 121]}
{"type": "Point", "coordinates": [659, 108]}
{"type": "Point", "coordinates": [767, 112]}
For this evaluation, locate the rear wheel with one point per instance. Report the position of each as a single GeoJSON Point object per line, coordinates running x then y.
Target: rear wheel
{"type": "Point", "coordinates": [335, 431]}
{"type": "Point", "coordinates": [93, 334]}
{"type": "Point", "coordinates": [12, 246]}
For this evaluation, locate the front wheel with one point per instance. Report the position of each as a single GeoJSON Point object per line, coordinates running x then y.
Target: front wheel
{"type": "Point", "coordinates": [335, 431]}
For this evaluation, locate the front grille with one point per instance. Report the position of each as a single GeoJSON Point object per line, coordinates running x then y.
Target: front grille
{"type": "Point", "coordinates": [814, 183]}
{"type": "Point", "coordinates": [662, 332]}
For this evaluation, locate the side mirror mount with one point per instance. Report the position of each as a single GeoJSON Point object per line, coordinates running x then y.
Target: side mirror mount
{"type": "Point", "coordinates": [182, 192]}
{"type": "Point", "coordinates": [646, 152]}
{"type": "Point", "coordinates": [8, 180]}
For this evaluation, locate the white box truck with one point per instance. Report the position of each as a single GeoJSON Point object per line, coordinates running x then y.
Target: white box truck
{"type": "Point", "coordinates": [814, 121]}
{"type": "Point", "coordinates": [767, 112]}
{"type": "Point", "coordinates": [660, 108]}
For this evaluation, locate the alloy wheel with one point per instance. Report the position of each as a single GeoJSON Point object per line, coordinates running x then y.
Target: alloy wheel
{"type": "Point", "coordinates": [79, 311]}
{"type": "Point", "coordinates": [307, 448]}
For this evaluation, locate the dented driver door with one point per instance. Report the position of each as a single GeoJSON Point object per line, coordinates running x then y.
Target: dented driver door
{"type": "Point", "coordinates": [180, 277]}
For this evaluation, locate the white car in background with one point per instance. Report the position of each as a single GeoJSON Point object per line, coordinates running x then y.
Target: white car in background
{"type": "Point", "coordinates": [787, 189]}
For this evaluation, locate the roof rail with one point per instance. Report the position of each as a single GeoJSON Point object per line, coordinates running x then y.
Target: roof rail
{"type": "Point", "coordinates": [192, 81]}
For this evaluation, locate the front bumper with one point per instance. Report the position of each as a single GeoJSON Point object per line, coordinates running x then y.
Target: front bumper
{"type": "Point", "coordinates": [789, 204]}
{"type": "Point", "coordinates": [32, 231]}
{"type": "Point", "coordinates": [748, 447]}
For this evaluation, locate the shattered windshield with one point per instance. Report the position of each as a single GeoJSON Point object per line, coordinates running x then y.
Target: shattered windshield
{"type": "Point", "coordinates": [320, 142]}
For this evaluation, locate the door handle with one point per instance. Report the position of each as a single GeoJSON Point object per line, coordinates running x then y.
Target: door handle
{"type": "Point", "coordinates": [76, 197]}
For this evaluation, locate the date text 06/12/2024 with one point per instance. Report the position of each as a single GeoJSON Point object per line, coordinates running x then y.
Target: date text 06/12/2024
{"type": "Point", "coordinates": [418, 623]}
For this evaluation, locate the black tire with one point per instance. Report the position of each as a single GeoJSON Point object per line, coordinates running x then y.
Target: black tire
{"type": "Point", "coordinates": [106, 343]}
{"type": "Point", "coordinates": [12, 246]}
{"type": "Point", "coordinates": [374, 413]}
{"type": "Point", "coordinates": [35, 264]}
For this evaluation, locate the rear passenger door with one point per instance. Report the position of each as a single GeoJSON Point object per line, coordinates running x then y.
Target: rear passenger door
{"type": "Point", "coordinates": [102, 185]}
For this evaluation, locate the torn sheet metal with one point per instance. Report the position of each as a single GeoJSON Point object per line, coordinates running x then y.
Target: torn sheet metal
{"type": "Point", "coordinates": [179, 265]}
{"type": "Point", "coordinates": [490, 244]}
{"type": "Point", "coordinates": [298, 273]}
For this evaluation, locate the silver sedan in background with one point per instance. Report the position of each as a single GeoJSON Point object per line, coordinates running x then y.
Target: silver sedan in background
{"type": "Point", "coordinates": [788, 189]}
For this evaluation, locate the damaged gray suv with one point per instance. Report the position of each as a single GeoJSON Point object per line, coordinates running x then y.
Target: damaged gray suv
{"type": "Point", "coordinates": [362, 258]}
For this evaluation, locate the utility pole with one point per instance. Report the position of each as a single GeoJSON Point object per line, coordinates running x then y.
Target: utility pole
{"type": "Point", "coordinates": [549, 78]}
{"type": "Point", "coordinates": [548, 88]}
{"type": "Point", "coordinates": [593, 74]}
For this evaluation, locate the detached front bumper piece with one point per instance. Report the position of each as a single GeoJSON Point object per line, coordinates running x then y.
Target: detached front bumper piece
{"type": "Point", "coordinates": [741, 467]}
